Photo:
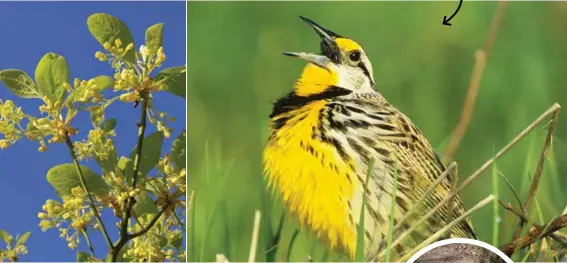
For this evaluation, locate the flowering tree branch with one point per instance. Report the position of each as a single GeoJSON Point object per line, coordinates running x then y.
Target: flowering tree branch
{"type": "Point", "coordinates": [84, 192]}
{"type": "Point", "coordinates": [86, 189]}
{"type": "Point", "coordinates": [129, 202]}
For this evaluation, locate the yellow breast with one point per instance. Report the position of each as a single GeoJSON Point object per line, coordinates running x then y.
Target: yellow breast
{"type": "Point", "coordinates": [316, 184]}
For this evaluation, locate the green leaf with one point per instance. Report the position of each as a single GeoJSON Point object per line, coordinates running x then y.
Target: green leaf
{"type": "Point", "coordinates": [174, 238]}
{"type": "Point", "coordinates": [108, 125]}
{"type": "Point", "coordinates": [52, 75]}
{"type": "Point", "coordinates": [174, 80]}
{"type": "Point", "coordinates": [64, 177]}
{"type": "Point", "coordinates": [154, 186]}
{"type": "Point", "coordinates": [19, 83]}
{"type": "Point", "coordinates": [151, 152]}
{"type": "Point", "coordinates": [107, 28]}
{"type": "Point", "coordinates": [85, 257]}
{"type": "Point", "coordinates": [82, 256]}
{"type": "Point", "coordinates": [178, 150]}
{"type": "Point", "coordinates": [21, 240]}
{"type": "Point", "coordinates": [103, 82]}
{"type": "Point", "coordinates": [144, 205]}
{"type": "Point", "coordinates": [154, 38]}
{"type": "Point", "coordinates": [123, 163]}
{"type": "Point", "coordinates": [7, 238]}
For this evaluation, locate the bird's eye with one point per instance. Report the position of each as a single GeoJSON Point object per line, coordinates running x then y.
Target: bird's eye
{"type": "Point", "coordinates": [354, 56]}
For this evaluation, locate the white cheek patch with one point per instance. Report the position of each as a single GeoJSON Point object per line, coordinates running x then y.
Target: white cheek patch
{"type": "Point", "coordinates": [350, 78]}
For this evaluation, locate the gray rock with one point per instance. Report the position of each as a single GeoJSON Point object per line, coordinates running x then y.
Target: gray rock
{"type": "Point", "coordinates": [459, 253]}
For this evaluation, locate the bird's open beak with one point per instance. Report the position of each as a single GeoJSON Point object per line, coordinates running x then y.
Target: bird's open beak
{"type": "Point", "coordinates": [328, 45]}
{"type": "Point", "coordinates": [318, 60]}
{"type": "Point", "coordinates": [326, 35]}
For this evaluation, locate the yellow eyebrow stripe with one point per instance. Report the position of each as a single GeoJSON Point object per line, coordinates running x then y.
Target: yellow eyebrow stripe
{"type": "Point", "coordinates": [347, 44]}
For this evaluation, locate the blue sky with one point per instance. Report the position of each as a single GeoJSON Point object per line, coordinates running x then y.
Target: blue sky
{"type": "Point", "coordinates": [28, 30]}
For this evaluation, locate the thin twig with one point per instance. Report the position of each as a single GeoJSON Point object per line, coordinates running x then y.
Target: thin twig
{"type": "Point", "coordinates": [415, 206]}
{"type": "Point", "coordinates": [481, 57]}
{"type": "Point", "coordinates": [539, 171]}
{"type": "Point", "coordinates": [129, 202]}
{"type": "Point", "coordinates": [508, 206]}
{"type": "Point", "coordinates": [88, 239]}
{"type": "Point", "coordinates": [454, 180]}
{"type": "Point", "coordinates": [150, 225]}
{"type": "Point", "coordinates": [534, 234]}
{"type": "Point", "coordinates": [442, 231]}
{"type": "Point", "coordinates": [179, 221]}
{"type": "Point", "coordinates": [255, 233]}
{"type": "Point", "coordinates": [466, 114]}
{"type": "Point", "coordinates": [514, 192]}
{"type": "Point", "coordinates": [87, 191]}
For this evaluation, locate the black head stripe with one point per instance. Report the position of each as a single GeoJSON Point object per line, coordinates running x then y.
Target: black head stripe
{"type": "Point", "coordinates": [365, 70]}
{"type": "Point", "coordinates": [292, 101]}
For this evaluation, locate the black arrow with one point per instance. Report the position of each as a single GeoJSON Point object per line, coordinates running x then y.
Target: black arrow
{"type": "Point", "coordinates": [446, 21]}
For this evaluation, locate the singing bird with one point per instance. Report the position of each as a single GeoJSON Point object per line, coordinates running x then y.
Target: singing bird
{"type": "Point", "coordinates": [325, 133]}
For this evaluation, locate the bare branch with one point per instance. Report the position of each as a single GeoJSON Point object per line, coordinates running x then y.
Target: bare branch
{"type": "Point", "coordinates": [508, 206]}
{"type": "Point", "coordinates": [481, 57]}
{"type": "Point", "coordinates": [539, 170]}
{"type": "Point", "coordinates": [534, 234]}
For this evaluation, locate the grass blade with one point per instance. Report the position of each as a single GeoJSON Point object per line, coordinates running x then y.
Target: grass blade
{"type": "Point", "coordinates": [255, 233]}
{"type": "Point", "coordinates": [392, 215]}
{"type": "Point", "coordinates": [442, 231]}
{"type": "Point", "coordinates": [359, 254]}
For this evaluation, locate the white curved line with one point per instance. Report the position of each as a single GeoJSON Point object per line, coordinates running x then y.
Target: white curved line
{"type": "Point", "coordinates": [460, 241]}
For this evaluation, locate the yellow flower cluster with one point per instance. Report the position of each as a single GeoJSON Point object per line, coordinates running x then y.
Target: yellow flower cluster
{"type": "Point", "coordinates": [175, 178]}
{"type": "Point", "coordinates": [151, 59]}
{"type": "Point", "coordinates": [126, 80]}
{"type": "Point", "coordinates": [54, 125]}
{"type": "Point", "coordinates": [160, 120]}
{"type": "Point", "coordinates": [116, 53]}
{"type": "Point", "coordinates": [12, 254]}
{"type": "Point", "coordinates": [146, 247]}
{"type": "Point", "coordinates": [10, 118]}
{"type": "Point", "coordinates": [38, 129]}
{"type": "Point", "coordinates": [149, 247]}
{"type": "Point", "coordinates": [98, 144]}
{"type": "Point", "coordinates": [86, 91]}
{"type": "Point", "coordinates": [50, 107]}
{"type": "Point", "coordinates": [73, 211]}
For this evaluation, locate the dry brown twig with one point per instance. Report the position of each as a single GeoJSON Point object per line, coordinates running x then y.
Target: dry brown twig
{"type": "Point", "coordinates": [481, 57]}
{"type": "Point", "coordinates": [508, 206]}
{"type": "Point", "coordinates": [535, 234]}
{"type": "Point", "coordinates": [537, 175]}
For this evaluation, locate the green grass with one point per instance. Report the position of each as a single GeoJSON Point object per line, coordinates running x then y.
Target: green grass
{"type": "Point", "coordinates": [495, 206]}
{"type": "Point", "coordinates": [392, 213]}
{"type": "Point", "coordinates": [235, 71]}
{"type": "Point", "coordinates": [359, 254]}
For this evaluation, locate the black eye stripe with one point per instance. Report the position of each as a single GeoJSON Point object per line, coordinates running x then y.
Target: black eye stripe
{"type": "Point", "coordinates": [364, 70]}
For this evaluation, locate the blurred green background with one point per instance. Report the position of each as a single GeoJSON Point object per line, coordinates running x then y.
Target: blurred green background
{"type": "Point", "coordinates": [235, 71]}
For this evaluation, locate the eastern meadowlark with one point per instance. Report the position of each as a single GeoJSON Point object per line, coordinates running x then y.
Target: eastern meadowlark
{"type": "Point", "coordinates": [324, 134]}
